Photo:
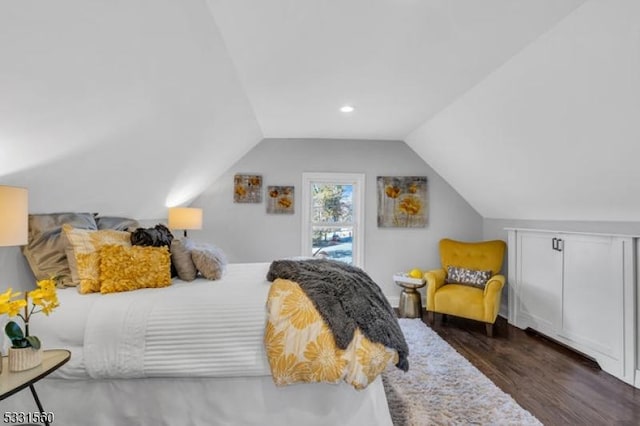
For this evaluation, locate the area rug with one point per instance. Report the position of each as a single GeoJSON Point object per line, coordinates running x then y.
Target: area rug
{"type": "Point", "coordinates": [443, 388]}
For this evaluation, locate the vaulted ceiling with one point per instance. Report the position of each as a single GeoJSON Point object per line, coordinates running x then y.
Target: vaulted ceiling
{"type": "Point", "coordinates": [398, 62]}
{"type": "Point", "coordinates": [526, 107]}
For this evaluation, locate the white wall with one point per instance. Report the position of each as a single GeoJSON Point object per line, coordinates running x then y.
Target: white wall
{"type": "Point", "coordinates": [248, 234]}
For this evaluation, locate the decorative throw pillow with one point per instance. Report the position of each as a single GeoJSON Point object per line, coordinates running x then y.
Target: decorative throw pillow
{"type": "Point", "coordinates": [472, 277]}
{"type": "Point", "coordinates": [84, 260]}
{"type": "Point", "coordinates": [181, 260]}
{"type": "Point", "coordinates": [210, 261]}
{"type": "Point", "coordinates": [157, 236]}
{"type": "Point", "coordinates": [132, 268]}
{"type": "Point", "coordinates": [117, 223]}
{"type": "Point", "coordinates": [45, 250]}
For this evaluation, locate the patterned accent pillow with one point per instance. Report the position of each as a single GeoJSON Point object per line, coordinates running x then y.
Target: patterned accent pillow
{"type": "Point", "coordinates": [131, 268]}
{"type": "Point", "coordinates": [472, 277]}
{"type": "Point", "coordinates": [84, 254]}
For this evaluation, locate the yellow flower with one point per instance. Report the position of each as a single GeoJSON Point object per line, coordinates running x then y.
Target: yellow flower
{"type": "Point", "coordinates": [9, 306]}
{"type": "Point", "coordinates": [299, 309]}
{"type": "Point", "coordinates": [287, 370]}
{"type": "Point", "coordinates": [392, 191]}
{"type": "Point", "coordinates": [285, 202]}
{"type": "Point", "coordinates": [240, 191]}
{"type": "Point", "coordinates": [47, 309]}
{"type": "Point", "coordinates": [410, 205]}
{"type": "Point", "coordinates": [274, 342]}
{"type": "Point", "coordinates": [6, 296]}
{"type": "Point", "coordinates": [373, 357]}
{"type": "Point", "coordinates": [11, 303]}
{"type": "Point", "coordinates": [14, 308]}
{"type": "Point", "coordinates": [45, 296]}
{"type": "Point", "coordinates": [325, 360]}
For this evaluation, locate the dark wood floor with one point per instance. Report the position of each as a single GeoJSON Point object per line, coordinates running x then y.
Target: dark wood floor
{"type": "Point", "coordinates": [552, 382]}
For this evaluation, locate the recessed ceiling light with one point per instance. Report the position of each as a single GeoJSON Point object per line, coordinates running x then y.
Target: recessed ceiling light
{"type": "Point", "coordinates": [347, 108]}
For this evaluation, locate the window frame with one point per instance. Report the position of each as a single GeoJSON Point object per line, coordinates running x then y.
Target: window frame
{"type": "Point", "coordinates": [357, 181]}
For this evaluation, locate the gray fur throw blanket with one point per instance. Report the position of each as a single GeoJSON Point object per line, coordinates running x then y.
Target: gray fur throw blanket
{"type": "Point", "coordinates": [346, 298]}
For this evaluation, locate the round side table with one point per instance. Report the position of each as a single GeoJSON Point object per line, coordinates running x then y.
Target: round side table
{"type": "Point", "coordinates": [410, 301]}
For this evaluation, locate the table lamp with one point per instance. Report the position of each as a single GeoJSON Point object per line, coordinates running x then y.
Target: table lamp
{"type": "Point", "coordinates": [185, 218]}
{"type": "Point", "coordinates": [14, 216]}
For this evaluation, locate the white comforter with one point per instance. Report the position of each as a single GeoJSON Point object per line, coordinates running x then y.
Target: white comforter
{"type": "Point", "coordinates": [190, 329]}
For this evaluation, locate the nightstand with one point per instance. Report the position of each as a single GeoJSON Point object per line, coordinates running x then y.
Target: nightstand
{"type": "Point", "coordinates": [13, 382]}
{"type": "Point", "coordinates": [410, 301]}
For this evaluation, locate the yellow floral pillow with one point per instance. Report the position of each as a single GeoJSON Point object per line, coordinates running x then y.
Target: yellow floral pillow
{"type": "Point", "coordinates": [132, 268]}
{"type": "Point", "coordinates": [84, 256]}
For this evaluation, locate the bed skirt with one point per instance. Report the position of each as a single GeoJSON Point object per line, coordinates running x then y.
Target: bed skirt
{"type": "Point", "coordinates": [204, 401]}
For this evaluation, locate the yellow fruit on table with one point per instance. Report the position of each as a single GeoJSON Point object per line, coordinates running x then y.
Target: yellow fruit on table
{"type": "Point", "coordinates": [415, 273]}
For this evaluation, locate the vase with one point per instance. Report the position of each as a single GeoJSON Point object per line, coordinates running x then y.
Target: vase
{"type": "Point", "coordinates": [21, 359]}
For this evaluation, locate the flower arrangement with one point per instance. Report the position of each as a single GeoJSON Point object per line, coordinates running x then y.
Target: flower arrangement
{"type": "Point", "coordinates": [43, 299]}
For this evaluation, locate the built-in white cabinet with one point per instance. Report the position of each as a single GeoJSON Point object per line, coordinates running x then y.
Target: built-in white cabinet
{"type": "Point", "coordinates": [578, 289]}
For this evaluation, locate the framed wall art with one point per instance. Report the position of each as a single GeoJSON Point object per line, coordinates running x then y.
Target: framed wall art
{"type": "Point", "coordinates": [247, 188]}
{"type": "Point", "coordinates": [402, 201]}
{"type": "Point", "coordinates": [280, 199]}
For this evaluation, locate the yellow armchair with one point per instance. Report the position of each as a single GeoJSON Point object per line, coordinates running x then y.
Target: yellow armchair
{"type": "Point", "coordinates": [480, 303]}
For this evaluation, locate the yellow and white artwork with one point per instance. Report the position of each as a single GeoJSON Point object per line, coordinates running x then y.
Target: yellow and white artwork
{"type": "Point", "coordinates": [402, 201]}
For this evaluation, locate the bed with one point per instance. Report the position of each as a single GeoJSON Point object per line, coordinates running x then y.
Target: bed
{"type": "Point", "coordinates": [139, 359]}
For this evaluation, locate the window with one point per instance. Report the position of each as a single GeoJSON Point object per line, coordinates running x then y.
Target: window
{"type": "Point", "coordinates": [333, 216]}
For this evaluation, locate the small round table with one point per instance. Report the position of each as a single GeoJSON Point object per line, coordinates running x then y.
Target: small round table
{"type": "Point", "coordinates": [410, 301]}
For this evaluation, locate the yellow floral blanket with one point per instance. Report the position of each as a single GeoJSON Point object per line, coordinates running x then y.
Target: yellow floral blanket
{"type": "Point", "coordinates": [301, 348]}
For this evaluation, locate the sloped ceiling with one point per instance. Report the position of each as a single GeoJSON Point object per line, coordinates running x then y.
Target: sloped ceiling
{"type": "Point", "coordinates": [117, 107]}
{"type": "Point", "coordinates": [553, 134]}
{"type": "Point", "coordinates": [125, 107]}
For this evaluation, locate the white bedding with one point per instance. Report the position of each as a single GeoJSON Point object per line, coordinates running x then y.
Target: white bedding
{"type": "Point", "coordinates": [152, 336]}
{"type": "Point", "coordinates": [190, 329]}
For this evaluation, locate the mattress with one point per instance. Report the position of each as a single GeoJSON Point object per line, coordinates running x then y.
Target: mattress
{"type": "Point", "coordinates": [201, 328]}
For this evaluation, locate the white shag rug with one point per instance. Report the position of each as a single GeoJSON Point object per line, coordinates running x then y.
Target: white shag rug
{"type": "Point", "coordinates": [443, 388]}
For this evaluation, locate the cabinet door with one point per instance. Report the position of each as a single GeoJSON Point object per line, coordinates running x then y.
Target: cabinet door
{"type": "Point", "coordinates": [539, 286]}
{"type": "Point", "coordinates": [592, 313]}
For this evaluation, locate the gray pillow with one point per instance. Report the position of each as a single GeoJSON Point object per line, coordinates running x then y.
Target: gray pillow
{"type": "Point", "coordinates": [210, 261]}
{"type": "Point", "coordinates": [117, 223]}
{"type": "Point", "coordinates": [472, 277]}
{"type": "Point", "coordinates": [181, 260]}
{"type": "Point", "coordinates": [45, 249]}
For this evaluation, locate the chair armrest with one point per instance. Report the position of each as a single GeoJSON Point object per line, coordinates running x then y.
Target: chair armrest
{"type": "Point", "coordinates": [492, 295]}
{"type": "Point", "coordinates": [435, 280]}
{"type": "Point", "coordinates": [494, 285]}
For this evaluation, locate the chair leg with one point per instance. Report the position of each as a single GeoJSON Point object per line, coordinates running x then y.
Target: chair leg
{"type": "Point", "coordinates": [489, 328]}
{"type": "Point", "coordinates": [445, 317]}
{"type": "Point", "coordinates": [431, 317]}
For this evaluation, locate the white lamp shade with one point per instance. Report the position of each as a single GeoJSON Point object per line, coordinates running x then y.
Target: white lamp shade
{"type": "Point", "coordinates": [185, 218]}
{"type": "Point", "coordinates": [14, 216]}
